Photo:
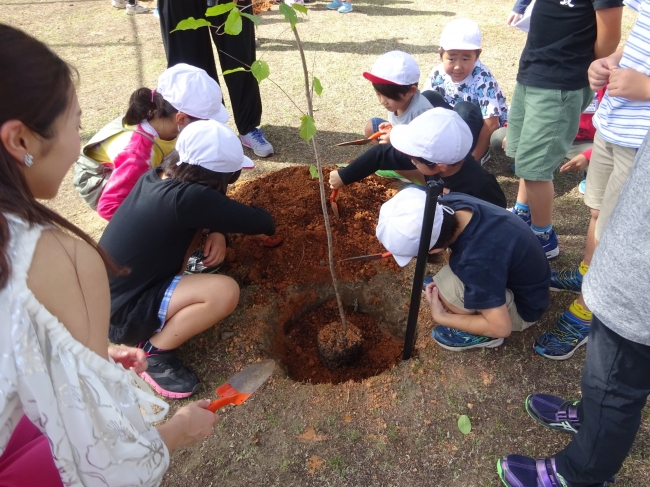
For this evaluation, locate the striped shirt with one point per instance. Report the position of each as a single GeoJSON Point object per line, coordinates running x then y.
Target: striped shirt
{"type": "Point", "coordinates": [621, 121]}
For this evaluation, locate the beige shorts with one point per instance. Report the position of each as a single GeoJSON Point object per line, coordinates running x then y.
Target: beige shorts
{"type": "Point", "coordinates": [453, 290]}
{"type": "Point", "coordinates": [608, 170]}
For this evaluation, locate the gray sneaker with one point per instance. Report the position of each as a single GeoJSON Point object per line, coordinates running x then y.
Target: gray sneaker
{"type": "Point", "coordinates": [255, 140]}
{"type": "Point", "coordinates": [119, 3]}
{"type": "Point", "coordinates": [136, 9]}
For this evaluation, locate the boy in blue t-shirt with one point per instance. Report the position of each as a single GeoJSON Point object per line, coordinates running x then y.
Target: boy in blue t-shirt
{"type": "Point", "coordinates": [461, 76]}
{"type": "Point", "coordinates": [497, 279]}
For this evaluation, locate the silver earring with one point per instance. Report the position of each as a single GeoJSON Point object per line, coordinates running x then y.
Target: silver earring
{"type": "Point", "coordinates": [28, 160]}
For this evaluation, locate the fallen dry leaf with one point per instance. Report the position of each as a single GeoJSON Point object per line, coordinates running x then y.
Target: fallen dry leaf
{"type": "Point", "coordinates": [347, 418]}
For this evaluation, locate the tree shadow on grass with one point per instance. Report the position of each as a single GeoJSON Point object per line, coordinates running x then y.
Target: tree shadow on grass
{"type": "Point", "coordinates": [377, 47]}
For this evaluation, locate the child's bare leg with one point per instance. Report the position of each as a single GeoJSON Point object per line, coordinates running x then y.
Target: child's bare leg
{"type": "Point", "coordinates": [198, 303]}
{"type": "Point", "coordinates": [368, 131]}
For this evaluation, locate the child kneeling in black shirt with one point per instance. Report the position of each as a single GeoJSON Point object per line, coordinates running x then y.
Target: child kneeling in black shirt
{"type": "Point", "coordinates": [497, 279]}
{"type": "Point", "coordinates": [436, 144]}
{"type": "Point", "coordinates": [152, 234]}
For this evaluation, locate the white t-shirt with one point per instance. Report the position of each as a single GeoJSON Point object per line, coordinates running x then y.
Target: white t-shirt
{"type": "Point", "coordinates": [621, 121]}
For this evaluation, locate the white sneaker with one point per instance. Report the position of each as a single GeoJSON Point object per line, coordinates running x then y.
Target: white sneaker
{"type": "Point", "coordinates": [136, 9]}
{"type": "Point", "coordinates": [119, 3]}
{"type": "Point", "coordinates": [255, 140]}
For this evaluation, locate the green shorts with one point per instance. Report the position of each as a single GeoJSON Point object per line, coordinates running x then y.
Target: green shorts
{"type": "Point", "coordinates": [542, 125]}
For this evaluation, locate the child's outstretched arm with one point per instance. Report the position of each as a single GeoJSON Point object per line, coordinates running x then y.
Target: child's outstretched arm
{"type": "Point", "coordinates": [578, 163]}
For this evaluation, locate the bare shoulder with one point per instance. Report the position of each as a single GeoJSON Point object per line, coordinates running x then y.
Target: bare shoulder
{"type": "Point", "coordinates": [69, 278]}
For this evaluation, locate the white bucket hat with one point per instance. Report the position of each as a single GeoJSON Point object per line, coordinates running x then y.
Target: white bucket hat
{"type": "Point", "coordinates": [394, 68]}
{"type": "Point", "coordinates": [438, 135]}
{"type": "Point", "coordinates": [461, 34]}
{"type": "Point", "coordinates": [400, 224]}
{"type": "Point", "coordinates": [212, 145]}
{"type": "Point", "coordinates": [190, 90]}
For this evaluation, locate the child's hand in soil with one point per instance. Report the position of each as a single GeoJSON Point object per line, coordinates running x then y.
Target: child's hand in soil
{"type": "Point", "coordinates": [335, 180]}
{"type": "Point", "coordinates": [384, 128]}
{"type": "Point", "coordinates": [432, 295]}
{"type": "Point", "coordinates": [214, 250]}
{"type": "Point", "coordinates": [578, 163]}
{"type": "Point", "coordinates": [130, 357]}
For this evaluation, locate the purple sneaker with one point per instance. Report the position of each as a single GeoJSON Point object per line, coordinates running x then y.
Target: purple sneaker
{"type": "Point", "coordinates": [520, 471]}
{"type": "Point", "coordinates": [553, 412]}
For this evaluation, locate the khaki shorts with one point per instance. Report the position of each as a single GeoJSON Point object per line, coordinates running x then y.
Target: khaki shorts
{"type": "Point", "coordinates": [542, 124]}
{"type": "Point", "coordinates": [608, 170]}
{"type": "Point", "coordinates": [453, 290]}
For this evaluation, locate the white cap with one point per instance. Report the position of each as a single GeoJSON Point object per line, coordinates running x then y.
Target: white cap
{"type": "Point", "coordinates": [461, 34]}
{"type": "Point", "coordinates": [394, 68]}
{"type": "Point", "coordinates": [400, 224]}
{"type": "Point", "coordinates": [211, 145]}
{"type": "Point", "coordinates": [438, 135]}
{"type": "Point", "coordinates": [190, 90]}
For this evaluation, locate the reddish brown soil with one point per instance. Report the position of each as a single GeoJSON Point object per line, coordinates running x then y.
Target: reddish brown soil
{"type": "Point", "coordinates": [379, 350]}
{"type": "Point", "coordinates": [292, 197]}
{"type": "Point", "coordinates": [339, 346]}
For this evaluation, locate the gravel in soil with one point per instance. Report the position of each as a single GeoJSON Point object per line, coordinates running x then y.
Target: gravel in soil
{"type": "Point", "coordinates": [292, 197]}
{"type": "Point", "coordinates": [379, 349]}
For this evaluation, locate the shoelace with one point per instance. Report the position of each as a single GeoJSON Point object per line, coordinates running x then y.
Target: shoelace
{"type": "Point", "coordinates": [258, 136]}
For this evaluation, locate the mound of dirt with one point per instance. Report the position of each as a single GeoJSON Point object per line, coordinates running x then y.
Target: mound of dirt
{"type": "Point", "coordinates": [291, 195]}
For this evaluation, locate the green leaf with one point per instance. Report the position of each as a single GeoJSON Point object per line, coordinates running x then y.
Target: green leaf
{"type": "Point", "coordinates": [307, 127]}
{"type": "Point", "coordinates": [260, 70]}
{"type": "Point", "coordinates": [318, 88]}
{"type": "Point", "coordinates": [290, 14]}
{"type": "Point", "coordinates": [220, 9]}
{"type": "Point", "coordinates": [313, 170]}
{"type": "Point", "coordinates": [300, 8]}
{"type": "Point", "coordinates": [253, 18]}
{"type": "Point", "coordinates": [233, 23]}
{"type": "Point", "coordinates": [191, 23]}
{"type": "Point", "coordinates": [236, 70]}
{"type": "Point", "coordinates": [464, 425]}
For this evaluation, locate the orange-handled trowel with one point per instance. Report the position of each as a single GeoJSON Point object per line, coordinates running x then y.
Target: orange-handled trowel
{"type": "Point", "coordinates": [241, 385]}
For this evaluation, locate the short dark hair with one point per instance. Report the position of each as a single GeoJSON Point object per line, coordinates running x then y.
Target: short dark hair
{"type": "Point", "coordinates": [448, 230]}
{"type": "Point", "coordinates": [193, 173]}
{"type": "Point", "coordinates": [147, 104]}
{"type": "Point", "coordinates": [477, 51]}
{"type": "Point", "coordinates": [394, 92]}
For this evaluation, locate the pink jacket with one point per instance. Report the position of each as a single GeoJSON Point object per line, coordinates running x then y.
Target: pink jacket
{"type": "Point", "coordinates": [130, 164]}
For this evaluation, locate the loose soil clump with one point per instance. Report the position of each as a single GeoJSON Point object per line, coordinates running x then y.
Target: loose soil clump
{"type": "Point", "coordinates": [378, 349]}
{"type": "Point", "coordinates": [339, 347]}
{"type": "Point", "coordinates": [292, 197]}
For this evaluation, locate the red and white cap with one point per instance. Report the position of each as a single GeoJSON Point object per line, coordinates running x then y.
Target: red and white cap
{"type": "Point", "coordinates": [190, 90]}
{"type": "Point", "coordinates": [400, 224]}
{"type": "Point", "coordinates": [462, 35]}
{"type": "Point", "coordinates": [394, 68]}
{"type": "Point", "coordinates": [438, 135]}
{"type": "Point", "coordinates": [212, 145]}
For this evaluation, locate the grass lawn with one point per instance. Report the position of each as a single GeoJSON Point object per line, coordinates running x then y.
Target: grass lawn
{"type": "Point", "coordinates": [399, 427]}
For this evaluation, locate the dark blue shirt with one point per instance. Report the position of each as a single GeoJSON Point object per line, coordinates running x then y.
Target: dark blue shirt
{"type": "Point", "coordinates": [498, 251]}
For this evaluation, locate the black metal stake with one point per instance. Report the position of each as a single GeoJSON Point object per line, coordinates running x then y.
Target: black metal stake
{"type": "Point", "coordinates": [434, 188]}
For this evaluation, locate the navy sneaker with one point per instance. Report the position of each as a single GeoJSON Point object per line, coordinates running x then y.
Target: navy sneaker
{"type": "Point", "coordinates": [548, 241]}
{"type": "Point", "coordinates": [169, 377]}
{"type": "Point", "coordinates": [521, 471]}
{"type": "Point", "coordinates": [567, 335]}
{"type": "Point", "coordinates": [524, 215]}
{"type": "Point", "coordinates": [566, 281]}
{"type": "Point", "coordinates": [554, 412]}
{"type": "Point", "coordinates": [457, 340]}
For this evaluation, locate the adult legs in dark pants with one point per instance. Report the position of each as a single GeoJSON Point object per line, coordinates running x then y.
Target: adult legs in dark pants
{"type": "Point", "coordinates": [615, 386]}
{"type": "Point", "coordinates": [193, 47]}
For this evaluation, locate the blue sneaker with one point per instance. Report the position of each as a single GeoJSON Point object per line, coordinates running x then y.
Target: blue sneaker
{"type": "Point", "coordinates": [566, 281]}
{"type": "Point", "coordinates": [521, 471]}
{"type": "Point", "coordinates": [548, 241]}
{"type": "Point", "coordinates": [567, 335]}
{"type": "Point", "coordinates": [524, 215]}
{"type": "Point", "coordinates": [554, 412]}
{"type": "Point", "coordinates": [457, 340]}
{"type": "Point", "coordinates": [427, 280]}
{"type": "Point", "coordinates": [335, 5]}
{"type": "Point", "coordinates": [582, 186]}
{"type": "Point", "coordinates": [346, 8]}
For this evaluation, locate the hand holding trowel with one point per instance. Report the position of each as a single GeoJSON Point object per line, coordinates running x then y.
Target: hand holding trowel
{"type": "Point", "coordinates": [241, 385]}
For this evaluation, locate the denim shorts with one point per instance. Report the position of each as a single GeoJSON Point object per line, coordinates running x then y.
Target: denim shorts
{"type": "Point", "coordinates": [164, 304]}
{"type": "Point", "coordinates": [376, 121]}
